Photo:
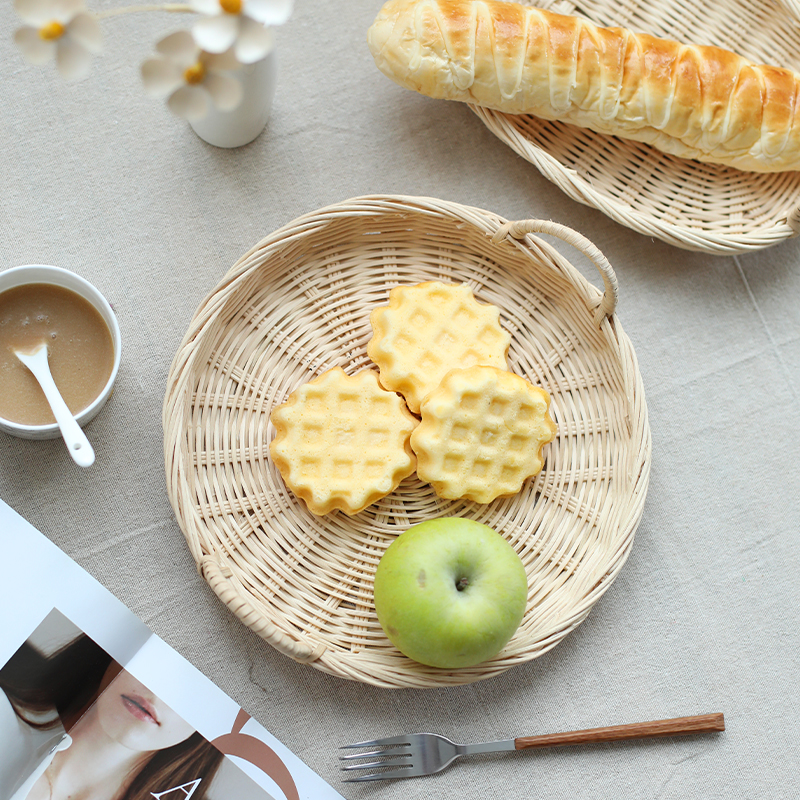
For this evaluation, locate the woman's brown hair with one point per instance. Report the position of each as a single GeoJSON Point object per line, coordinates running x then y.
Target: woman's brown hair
{"type": "Point", "coordinates": [176, 766]}
{"type": "Point", "coordinates": [65, 681]}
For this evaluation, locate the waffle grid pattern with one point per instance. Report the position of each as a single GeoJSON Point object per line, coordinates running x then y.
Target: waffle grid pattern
{"type": "Point", "coordinates": [428, 328]}
{"type": "Point", "coordinates": [481, 434]}
{"type": "Point", "coordinates": [342, 441]}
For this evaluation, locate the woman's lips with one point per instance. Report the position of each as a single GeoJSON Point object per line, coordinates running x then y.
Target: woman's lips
{"type": "Point", "coordinates": [140, 708]}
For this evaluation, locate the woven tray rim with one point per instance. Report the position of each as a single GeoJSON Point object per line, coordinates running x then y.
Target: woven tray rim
{"type": "Point", "coordinates": [179, 397]}
{"type": "Point", "coordinates": [786, 226]}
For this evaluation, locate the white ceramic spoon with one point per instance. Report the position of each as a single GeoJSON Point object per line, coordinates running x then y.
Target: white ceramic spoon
{"type": "Point", "coordinates": [78, 445]}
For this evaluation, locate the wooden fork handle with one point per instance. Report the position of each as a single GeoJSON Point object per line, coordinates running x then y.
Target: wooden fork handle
{"type": "Point", "coordinates": [703, 723]}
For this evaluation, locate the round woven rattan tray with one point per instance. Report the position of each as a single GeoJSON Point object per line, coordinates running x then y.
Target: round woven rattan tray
{"type": "Point", "coordinates": [298, 304]}
{"type": "Point", "coordinates": [694, 206]}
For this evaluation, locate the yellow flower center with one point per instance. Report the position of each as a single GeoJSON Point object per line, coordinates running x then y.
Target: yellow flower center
{"type": "Point", "coordinates": [53, 30]}
{"type": "Point", "coordinates": [195, 74]}
{"type": "Point", "coordinates": [231, 6]}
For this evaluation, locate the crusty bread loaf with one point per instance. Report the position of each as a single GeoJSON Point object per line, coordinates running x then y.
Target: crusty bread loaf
{"type": "Point", "coordinates": [692, 101]}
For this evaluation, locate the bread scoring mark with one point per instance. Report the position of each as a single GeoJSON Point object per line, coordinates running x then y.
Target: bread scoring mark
{"type": "Point", "coordinates": [508, 46]}
{"type": "Point", "coordinates": [416, 43]}
{"type": "Point", "coordinates": [730, 138]}
{"type": "Point", "coordinates": [661, 73]}
{"type": "Point", "coordinates": [562, 43]}
{"type": "Point", "coordinates": [779, 110]}
{"type": "Point", "coordinates": [612, 73]}
{"type": "Point", "coordinates": [457, 34]}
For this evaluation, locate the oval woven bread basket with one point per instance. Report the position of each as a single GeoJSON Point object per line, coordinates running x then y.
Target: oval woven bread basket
{"type": "Point", "coordinates": [695, 206]}
{"type": "Point", "coordinates": [298, 304]}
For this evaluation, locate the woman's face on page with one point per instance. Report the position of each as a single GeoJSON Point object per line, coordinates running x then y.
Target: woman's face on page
{"type": "Point", "coordinates": [133, 716]}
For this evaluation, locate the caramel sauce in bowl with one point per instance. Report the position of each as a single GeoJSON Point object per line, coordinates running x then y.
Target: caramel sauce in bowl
{"type": "Point", "coordinates": [48, 305]}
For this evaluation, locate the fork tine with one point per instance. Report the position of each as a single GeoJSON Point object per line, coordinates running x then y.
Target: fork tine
{"type": "Point", "coordinates": [394, 761]}
{"type": "Point", "coordinates": [377, 742]}
{"type": "Point", "coordinates": [387, 751]}
{"type": "Point", "coordinates": [371, 764]}
{"type": "Point", "coordinates": [387, 775]}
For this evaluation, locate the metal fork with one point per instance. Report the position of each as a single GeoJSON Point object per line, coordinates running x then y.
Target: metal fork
{"type": "Point", "coordinates": [425, 753]}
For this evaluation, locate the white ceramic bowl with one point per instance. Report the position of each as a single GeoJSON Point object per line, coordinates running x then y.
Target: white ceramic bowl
{"type": "Point", "coordinates": [56, 276]}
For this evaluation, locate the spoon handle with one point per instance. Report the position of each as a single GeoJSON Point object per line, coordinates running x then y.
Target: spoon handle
{"type": "Point", "coordinates": [78, 445]}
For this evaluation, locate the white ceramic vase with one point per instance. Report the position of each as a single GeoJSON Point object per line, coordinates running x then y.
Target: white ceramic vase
{"type": "Point", "coordinates": [242, 125]}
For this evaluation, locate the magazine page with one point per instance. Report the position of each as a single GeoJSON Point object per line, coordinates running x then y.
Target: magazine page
{"type": "Point", "coordinates": [90, 697]}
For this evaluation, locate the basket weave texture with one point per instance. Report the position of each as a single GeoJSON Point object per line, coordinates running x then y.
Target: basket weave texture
{"type": "Point", "coordinates": [298, 304]}
{"type": "Point", "coordinates": [695, 206]}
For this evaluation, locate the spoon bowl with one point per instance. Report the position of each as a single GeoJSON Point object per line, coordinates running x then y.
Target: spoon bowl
{"type": "Point", "coordinates": [78, 445]}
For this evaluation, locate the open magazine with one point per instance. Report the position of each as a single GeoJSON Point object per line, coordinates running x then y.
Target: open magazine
{"type": "Point", "coordinates": [89, 693]}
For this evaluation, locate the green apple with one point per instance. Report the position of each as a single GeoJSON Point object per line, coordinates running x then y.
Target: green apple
{"type": "Point", "coordinates": [450, 592]}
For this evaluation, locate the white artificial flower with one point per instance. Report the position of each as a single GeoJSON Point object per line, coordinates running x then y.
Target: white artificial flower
{"type": "Point", "coordinates": [190, 77]}
{"type": "Point", "coordinates": [241, 24]}
{"type": "Point", "coordinates": [60, 29]}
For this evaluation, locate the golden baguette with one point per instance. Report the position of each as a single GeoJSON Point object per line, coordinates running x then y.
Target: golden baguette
{"type": "Point", "coordinates": [691, 101]}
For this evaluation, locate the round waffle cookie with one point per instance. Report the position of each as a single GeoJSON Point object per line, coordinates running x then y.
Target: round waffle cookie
{"type": "Point", "coordinates": [342, 441]}
{"type": "Point", "coordinates": [429, 329]}
{"type": "Point", "coordinates": [482, 434]}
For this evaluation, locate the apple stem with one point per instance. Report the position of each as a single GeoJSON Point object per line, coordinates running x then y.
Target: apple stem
{"type": "Point", "coordinates": [462, 584]}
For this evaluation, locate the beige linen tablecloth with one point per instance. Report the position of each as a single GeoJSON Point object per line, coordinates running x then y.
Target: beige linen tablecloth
{"type": "Point", "coordinates": [98, 178]}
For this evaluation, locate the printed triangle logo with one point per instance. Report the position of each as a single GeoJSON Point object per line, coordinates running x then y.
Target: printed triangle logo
{"type": "Point", "coordinates": [182, 792]}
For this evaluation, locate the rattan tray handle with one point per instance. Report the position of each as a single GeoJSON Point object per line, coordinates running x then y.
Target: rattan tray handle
{"type": "Point", "coordinates": [518, 230]}
{"type": "Point", "coordinates": [793, 220]}
{"type": "Point", "coordinates": [219, 579]}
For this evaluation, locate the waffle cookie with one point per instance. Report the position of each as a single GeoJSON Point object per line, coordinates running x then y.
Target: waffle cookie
{"type": "Point", "coordinates": [481, 434]}
{"type": "Point", "coordinates": [429, 329]}
{"type": "Point", "coordinates": [342, 441]}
